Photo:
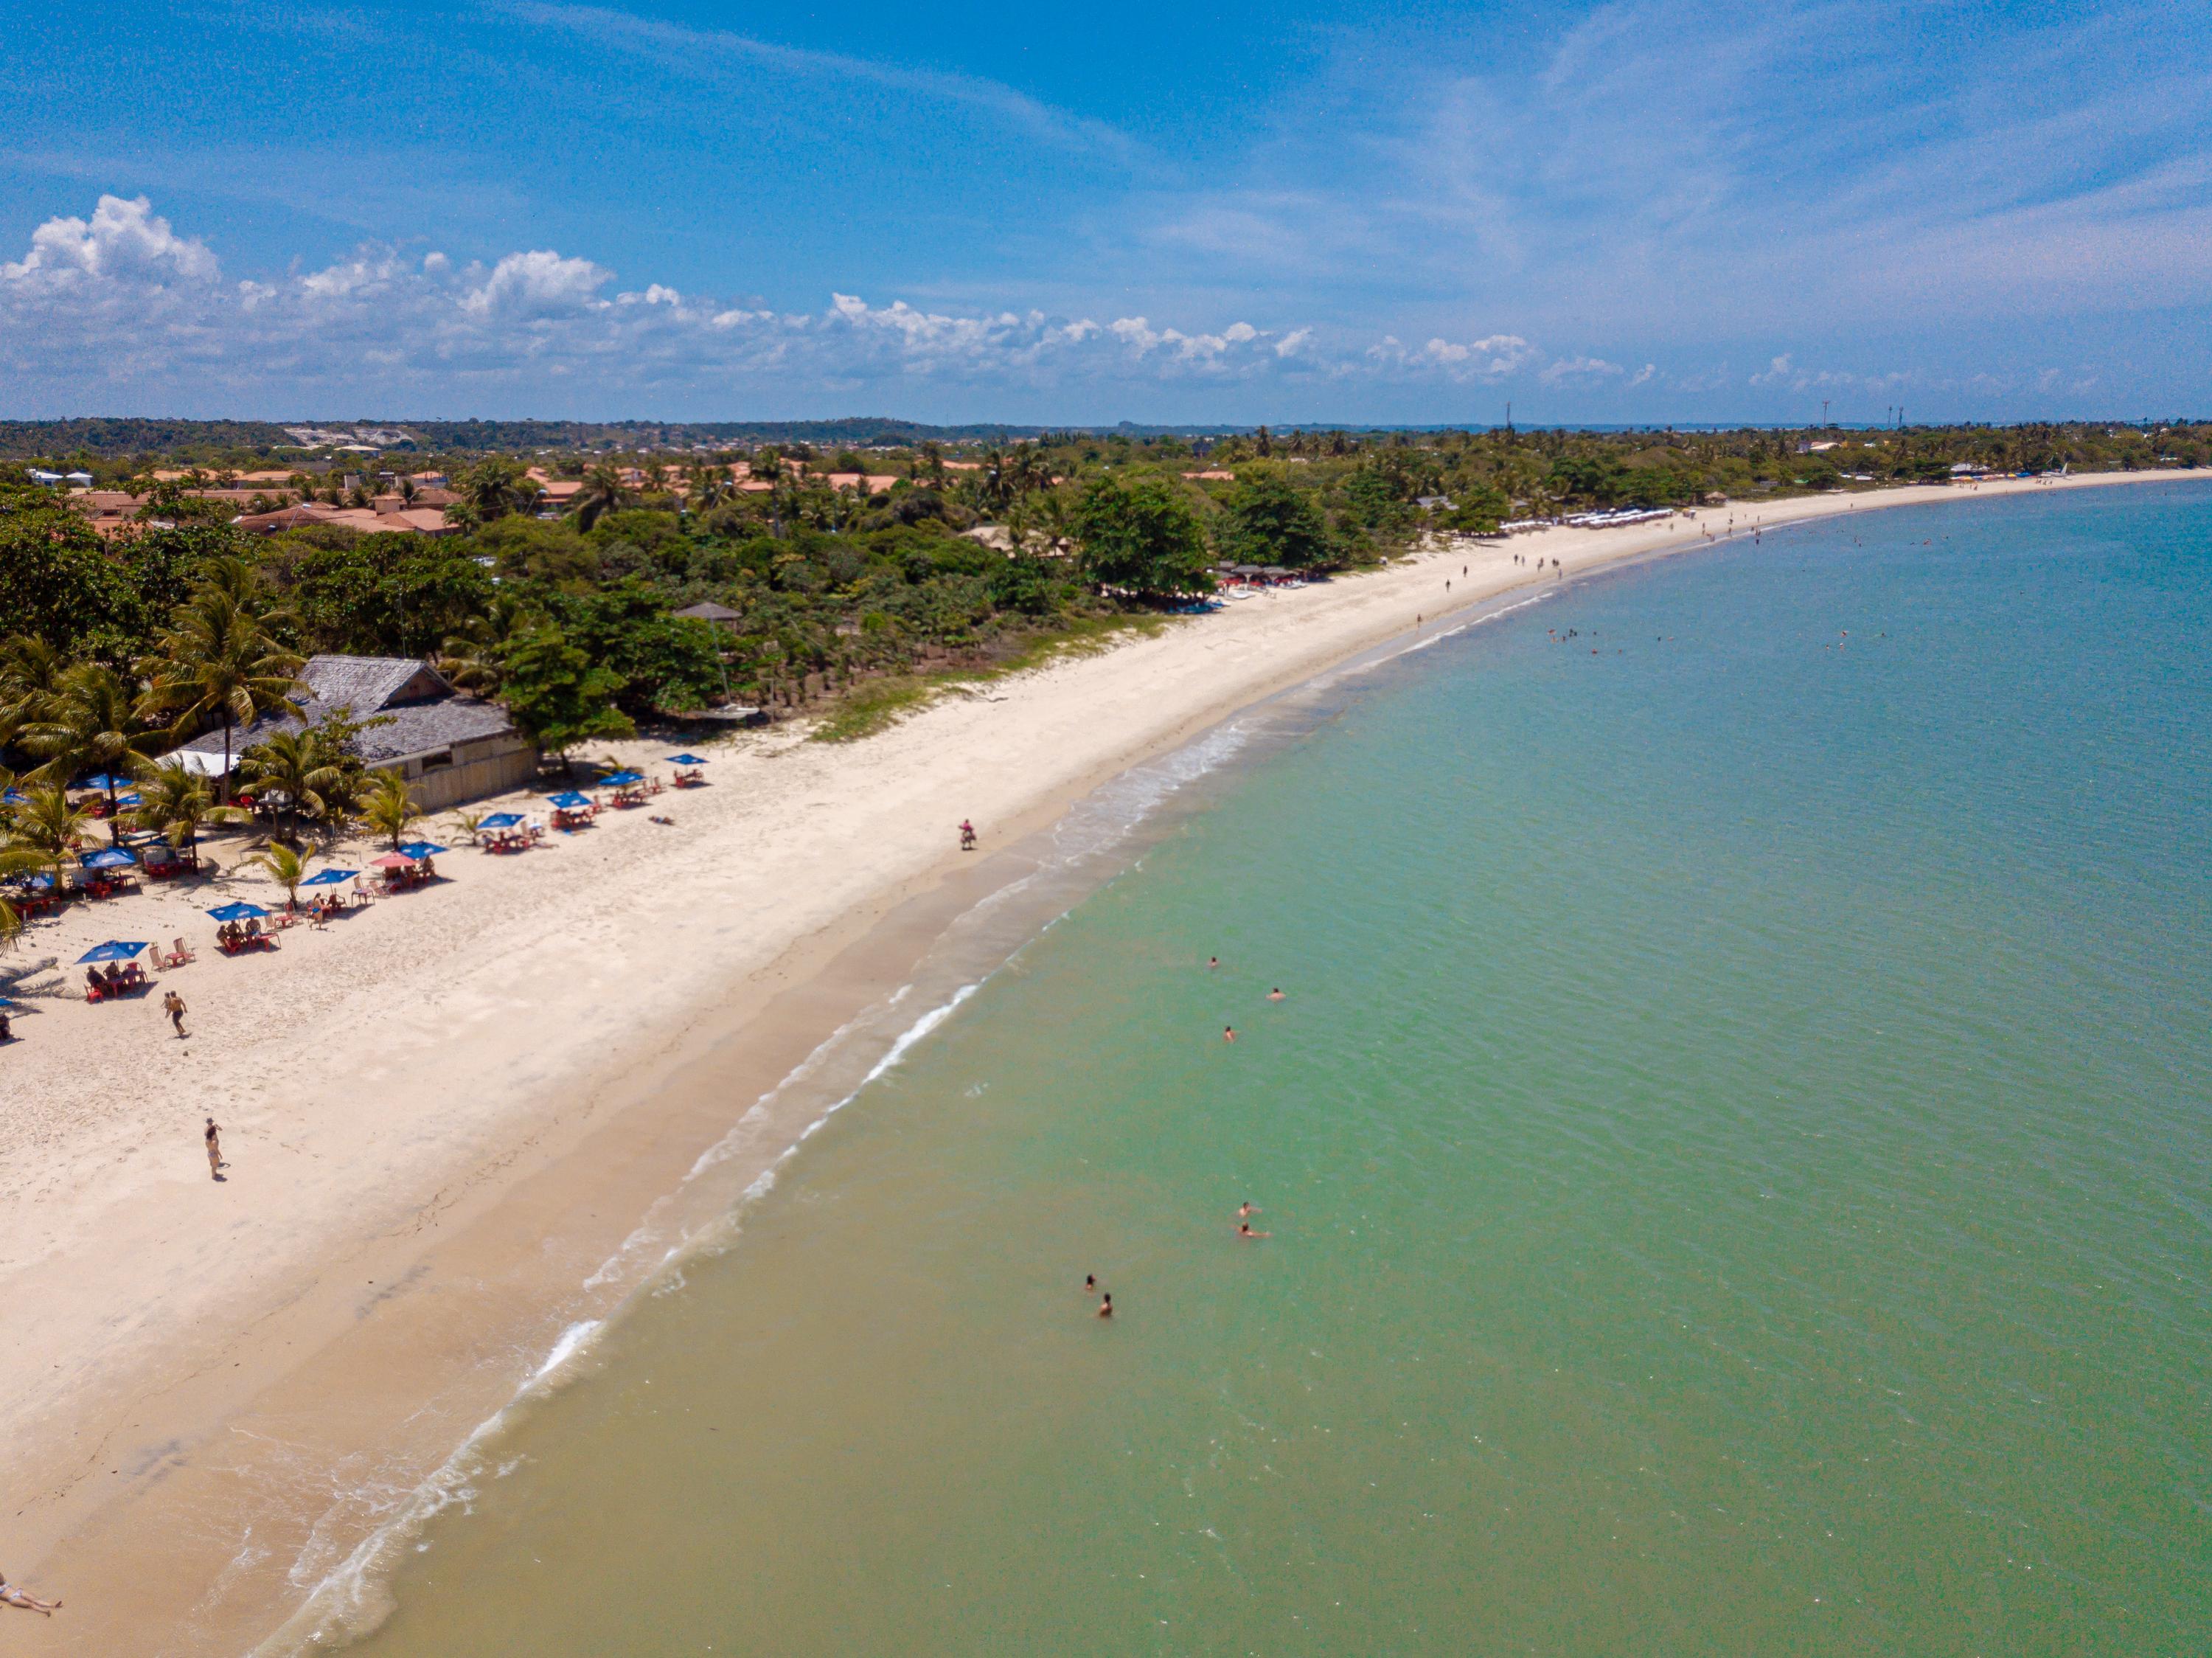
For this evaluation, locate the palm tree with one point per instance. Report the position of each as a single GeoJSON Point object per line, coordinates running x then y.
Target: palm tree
{"type": "Point", "coordinates": [46, 832]}
{"type": "Point", "coordinates": [1027, 469]}
{"type": "Point", "coordinates": [174, 802]}
{"type": "Point", "coordinates": [470, 823]}
{"type": "Point", "coordinates": [284, 865]}
{"type": "Point", "coordinates": [219, 660]}
{"type": "Point", "coordinates": [474, 658]}
{"type": "Point", "coordinates": [603, 490]}
{"type": "Point", "coordinates": [88, 721]}
{"type": "Point", "coordinates": [299, 765]}
{"type": "Point", "coordinates": [710, 486]}
{"type": "Point", "coordinates": [30, 674]}
{"type": "Point", "coordinates": [390, 807]}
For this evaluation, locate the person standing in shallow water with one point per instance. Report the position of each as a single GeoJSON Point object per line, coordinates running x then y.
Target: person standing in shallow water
{"type": "Point", "coordinates": [1106, 1307]}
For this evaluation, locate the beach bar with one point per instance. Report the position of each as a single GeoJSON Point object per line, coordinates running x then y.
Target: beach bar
{"type": "Point", "coordinates": [449, 747]}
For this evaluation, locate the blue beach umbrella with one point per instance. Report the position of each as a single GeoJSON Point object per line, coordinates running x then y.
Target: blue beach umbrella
{"type": "Point", "coordinates": [687, 759]}
{"type": "Point", "coordinates": [501, 820]}
{"type": "Point", "coordinates": [15, 797]}
{"type": "Point", "coordinates": [238, 912]}
{"type": "Point", "coordinates": [621, 779]}
{"type": "Point", "coordinates": [571, 802]}
{"type": "Point", "coordinates": [127, 800]}
{"type": "Point", "coordinates": [419, 848]}
{"type": "Point", "coordinates": [328, 877]}
{"type": "Point", "coordinates": [115, 949]}
{"type": "Point", "coordinates": [110, 857]}
{"type": "Point", "coordinates": [103, 781]}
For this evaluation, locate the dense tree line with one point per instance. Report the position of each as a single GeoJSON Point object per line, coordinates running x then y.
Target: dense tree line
{"type": "Point", "coordinates": [950, 553]}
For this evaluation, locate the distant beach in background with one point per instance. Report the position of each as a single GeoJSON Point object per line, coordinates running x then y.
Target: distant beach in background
{"type": "Point", "coordinates": [1598, 919]}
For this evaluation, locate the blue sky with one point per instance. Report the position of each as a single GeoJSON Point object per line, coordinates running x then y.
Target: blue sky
{"type": "Point", "coordinates": [1642, 211]}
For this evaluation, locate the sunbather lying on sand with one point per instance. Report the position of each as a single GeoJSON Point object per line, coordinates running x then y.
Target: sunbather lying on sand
{"type": "Point", "coordinates": [16, 1597]}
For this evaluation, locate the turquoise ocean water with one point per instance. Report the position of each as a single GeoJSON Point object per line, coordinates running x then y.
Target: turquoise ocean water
{"type": "Point", "coordinates": [1737, 1142]}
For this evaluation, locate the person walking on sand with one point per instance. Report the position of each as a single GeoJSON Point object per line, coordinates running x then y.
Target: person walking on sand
{"type": "Point", "coordinates": [214, 1137]}
{"type": "Point", "coordinates": [174, 1005]}
{"type": "Point", "coordinates": [966, 836]}
{"type": "Point", "coordinates": [17, 1598]}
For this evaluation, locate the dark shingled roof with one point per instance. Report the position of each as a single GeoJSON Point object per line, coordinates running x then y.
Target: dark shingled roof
{"type": "Point", "coordinates": [424, 712]}
{"type": "Point", "coordinates": [710, 611]}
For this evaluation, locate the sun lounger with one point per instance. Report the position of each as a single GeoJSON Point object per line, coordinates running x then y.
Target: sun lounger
{"type": "Point", "coordinates": [181, 954]}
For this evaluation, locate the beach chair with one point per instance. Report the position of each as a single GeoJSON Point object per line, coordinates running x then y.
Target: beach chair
{"type": "Point", "coordinates": [184, 954]}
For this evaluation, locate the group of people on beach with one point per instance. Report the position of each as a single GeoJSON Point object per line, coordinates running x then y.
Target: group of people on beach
{"type": "Point", "coordinates": [113, 981]}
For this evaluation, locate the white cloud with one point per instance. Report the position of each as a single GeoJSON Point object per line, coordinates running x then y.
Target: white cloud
{"type": "Point", "coordinates": [1493, 357]}
{"type": "Point", "coordinates": [122, 302]}
{"type": "Point", "coordinates": [538, 283]}
{"type": "Point", "coordinates": [123, 240]}
{"type": "Point", "coordinates": [1580, 370]}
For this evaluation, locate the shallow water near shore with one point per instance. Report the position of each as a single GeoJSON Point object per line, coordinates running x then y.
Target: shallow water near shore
{"type": "Point", "coordinates": [1736, 1144]}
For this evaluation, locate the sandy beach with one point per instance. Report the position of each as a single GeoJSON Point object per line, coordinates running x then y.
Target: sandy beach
{"type": "Point", "coordinates": [458, 1122]}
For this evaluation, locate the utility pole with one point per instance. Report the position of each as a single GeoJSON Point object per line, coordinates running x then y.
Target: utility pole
{"type": "Point", "coordinates": [1509, 417]}
{"type": "Point", "coordinates": [1824, 412]}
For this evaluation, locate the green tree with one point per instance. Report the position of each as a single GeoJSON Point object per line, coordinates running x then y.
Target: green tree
{"type": "Point", "coordinates": [1269, 521]}
{"type": "Point", "coordinates": [1142, 537]}
{"type": "Point", "coordinates": [90, 723]}
{"type": "Point", "coordinates": [492, 489]}
{"type": "Point", "coordinates": [557, 696]}
{"type": "Point", "coordinates": [660, 660]}
{"type": "Point", "coordinates": [300, 770]}
{"type": "Point", "coordinates": [378, 595]}
{"type": "Point", "coordinates": [220, 660]}
{"type": "Point", "coordinates": [390, 808]}
{"type": "Point", "coordinates": [603, 490]}
{"type": "Point", "coordinates": [1476, 510]}
{"type": "Point", "coordinates": [31, 670]}
{"type": "Point", "coordinates": [57, 582]}
{"type": "Point", "coordinates": [173, 802]}
{"type": "Point", "coordinates": [47, 830]}
{"type": "Point", "coordinates": [286, 866]}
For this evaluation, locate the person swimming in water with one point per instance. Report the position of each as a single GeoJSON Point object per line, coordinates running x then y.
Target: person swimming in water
{"type": "Point", "coordinates": [1275, 994]}
{"type": "Point", "coordinates": [1244, 1230]}
{"type": "Point", "coordinates": [1089, 1284]}
{"type": "Point", "coordinates": [1213, 961]}
{"type": "Point", "coordinates": [1106, 1307]}
{"type": "Point", "coordinates": [1229, 1033]}
{"type": "Point", "coordinates": [1247, 1209]}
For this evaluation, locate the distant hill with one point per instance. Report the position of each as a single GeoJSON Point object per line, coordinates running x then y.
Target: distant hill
{"type": "Point", "coordinates": [114, 438]}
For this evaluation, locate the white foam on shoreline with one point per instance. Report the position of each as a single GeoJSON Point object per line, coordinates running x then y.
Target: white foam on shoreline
{"type": "Point", "coordinates": [352, 1600]}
